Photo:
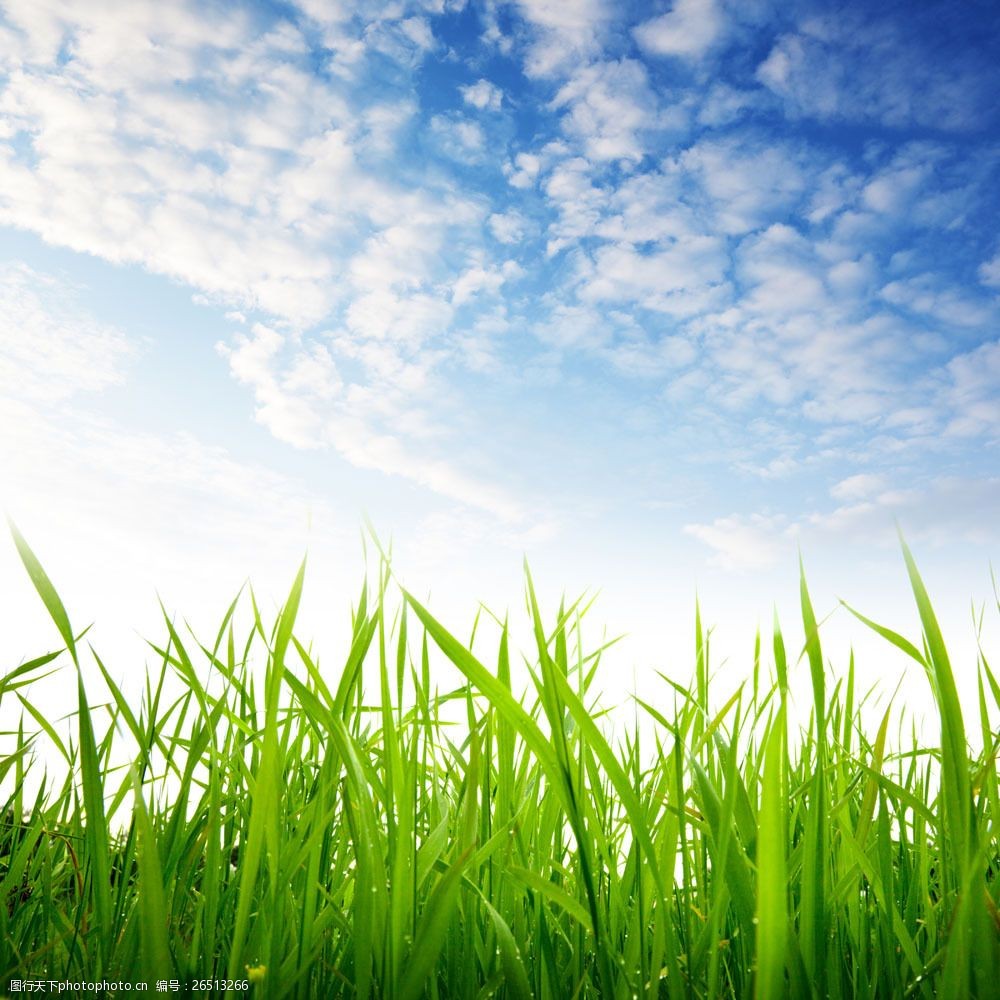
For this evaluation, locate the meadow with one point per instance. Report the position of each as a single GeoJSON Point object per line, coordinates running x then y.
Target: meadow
{"type": "Point", "coordinates": [350, 830]}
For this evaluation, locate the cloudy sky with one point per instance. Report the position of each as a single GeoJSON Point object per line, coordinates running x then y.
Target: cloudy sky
{"type": "Point", "coordinates": [656, 294]}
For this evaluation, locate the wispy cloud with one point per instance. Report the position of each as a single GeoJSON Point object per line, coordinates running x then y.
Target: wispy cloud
{"type": "Point", "coordinates": [459, 137]}
{"type": "Point", "coordinates": [564, 31]}
{"type": "Point", "coordinates": [989, 272]}
{"type": "Point", "coordinates": [50, 350]}
{"type": "Point", "coordinates": [609, 105]}
{"type": "Point", "coordinates": [687, 30]}
{"type": "Point", "coordinates": [858, 487]}
{"type": "Point", "coordinates": [483, 95]}
{"type": "Point", "coordinates": [745, 543]}
{"type": "Point", "coordinates": [379, 424]}
{"type": "Point", "coordinates": [938, 513]}
{"type": "Point", "coordinates": [856, 65]}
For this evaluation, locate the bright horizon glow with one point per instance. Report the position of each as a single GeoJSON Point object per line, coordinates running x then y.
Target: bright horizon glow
{"type": "Point", "coordinates": [656, 295]}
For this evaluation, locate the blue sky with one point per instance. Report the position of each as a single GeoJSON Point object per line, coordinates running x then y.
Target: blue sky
{"type": "Point", "coordinates": [654, 293]}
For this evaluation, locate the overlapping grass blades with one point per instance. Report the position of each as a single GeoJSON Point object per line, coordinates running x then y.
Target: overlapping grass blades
{"type": "Point", "coordinates": [354, 831]}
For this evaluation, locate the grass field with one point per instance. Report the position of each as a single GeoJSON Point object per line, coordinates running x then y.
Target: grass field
{"type": "Point", "coordinates": [286, 827]}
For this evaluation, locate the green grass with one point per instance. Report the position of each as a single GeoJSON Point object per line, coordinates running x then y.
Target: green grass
{"type": "Point", "coordinates": [351, 831]}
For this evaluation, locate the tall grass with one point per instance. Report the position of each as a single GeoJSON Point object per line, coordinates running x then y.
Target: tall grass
{"type": "Point", "coordinates": [276, 822]}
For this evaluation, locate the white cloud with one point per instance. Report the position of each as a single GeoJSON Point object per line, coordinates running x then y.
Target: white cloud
{"type": "Point", "coordinates": [687, 30]}
{"type": "Point", "coordinates": [50, 348]}
{"type": "Point", "coordinates": [224, 161]}
{"type": "Point", "coordinates": [853, 278]}
{"type": "Point", "coordinates": [745, 543]}
{"type": "Point", "coordinates": [406, 318]}
{"type": "Point", "coordinates": [614, 338]}
{"type": "Point", "coordinates": [483, 95]}
{"type": "Point", "coordinates": [938, 513]}
{"type": "Point", "coordinates": [565, 30]}
{"type": "Point", "coordinates": [301, 398]}
{"type": "Point", "coordinates": [398, 255]}
{"type": "Point", "coordinates": [383, 124]}
{"type": "Point", "coordinates": [858, 487]}
{"type": "Point", "coordinates": [740, 243]}
{"type": "Point", "coordinates": [117, 163]}
{"type": "Point", "coordinates": [574, 17]}
{"type": "Point", "coordinates": [746, 183]}
{"type": "Point", "coordinates": [794, 343]}
{"type": "Point", "coordinates": [724, 105]}
{"type": "Point", "coordinates": [579, 202]}
{"type": "Point", "coordinates": [480, 279]}
{"type": "Point", "coordinates": [682, 278]}
{"type": "Point", "coordinates": [609, 107]}
{"type": "Point", "coordinates": [923, 184]}
{"type": "Point", "coordinates": [895, 187]}
{"type": "Point", "coordinates": [370, 389]}
{"type": "Point", "coordinates": [385, 452]}
{"type": "Point", "coordinates": [851, 65]}
{"type": "Point", "coordinates": [780, 274]}
{"type": "Point", "coordinates": [778, 315]}
{"type": "Point", "coordinates": [780, 467]}
{"type": "Point", "coordinates": [649, 207]}
{"type": "Point", "coordinates": [926, 294]}
{"type": "Point", "coordinates": [523, 171]}
{"type": "Point", "coordinates": [508, 227]}
{"type": "Point", "coordinates": [833, 190]}
{"type": "Point", "coordinates": [288, 402]}
{"type": "Point", "coordinates": [641, 356]}
{"type": "Point", "coordinates": [973, 391]}
{"type": "Point", "coordinates": [460, 138]}
{"type": "Point", "coordinates": [406, 40]}
{"type": "Point", "coordinates": [989, 272]}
